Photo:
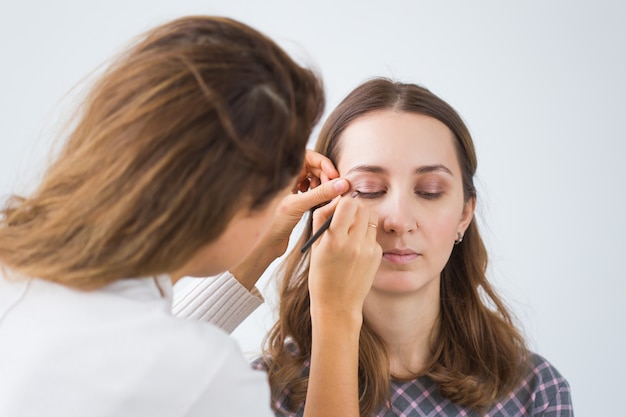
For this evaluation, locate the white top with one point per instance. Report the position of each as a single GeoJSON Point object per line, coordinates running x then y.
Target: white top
{"type": "Point", "coordinates": [117, 352]}
{"type": "Point", "coordinates": [220, 300]}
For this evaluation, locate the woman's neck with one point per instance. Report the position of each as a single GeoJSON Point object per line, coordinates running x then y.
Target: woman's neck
{"type": "Point", "coordinates": [406, 323]}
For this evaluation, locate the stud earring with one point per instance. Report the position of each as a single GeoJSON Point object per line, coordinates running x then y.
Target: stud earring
{"type": "Point", "coordinates": [459, 238]}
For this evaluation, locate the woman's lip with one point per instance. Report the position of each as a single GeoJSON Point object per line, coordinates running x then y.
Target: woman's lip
{"type": "Point", "coordinates": [400, 258]}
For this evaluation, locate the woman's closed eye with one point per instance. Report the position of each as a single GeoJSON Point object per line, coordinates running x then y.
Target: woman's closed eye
{"type": "Point", "coordinates": [370, 194]}
{"type": "Point", "coordinates": [429, 195]}
{"type": "Point", "coordinates": [430, 188]}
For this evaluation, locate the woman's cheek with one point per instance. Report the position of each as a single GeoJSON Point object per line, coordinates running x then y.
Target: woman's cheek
{"type": "Point", "coordinates": [444, 224]}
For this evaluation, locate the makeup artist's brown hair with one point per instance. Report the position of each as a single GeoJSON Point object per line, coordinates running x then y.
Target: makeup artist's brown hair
{"type": "Point", "coordinates": [201, 116]}
{"type": "Point", "coordinates": [478, 354]}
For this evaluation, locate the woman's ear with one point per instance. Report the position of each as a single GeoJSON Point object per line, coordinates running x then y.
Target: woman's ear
{"type": "Point", "coordinates": [468, 214]}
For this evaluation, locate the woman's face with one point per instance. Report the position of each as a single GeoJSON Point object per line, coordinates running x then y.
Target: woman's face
{"type": "Point", "coordinates": [405, 166]}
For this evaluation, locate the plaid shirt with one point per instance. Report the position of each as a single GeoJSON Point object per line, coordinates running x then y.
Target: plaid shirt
{"type": "Point", "coordinates": [544, 392]}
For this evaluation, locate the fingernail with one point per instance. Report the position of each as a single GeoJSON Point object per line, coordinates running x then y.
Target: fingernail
{"type": "Point", "coordinates": [340, 185]}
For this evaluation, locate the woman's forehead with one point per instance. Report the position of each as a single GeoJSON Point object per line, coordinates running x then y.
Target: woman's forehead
{"type": "Point", "coordinates": [390, 138]}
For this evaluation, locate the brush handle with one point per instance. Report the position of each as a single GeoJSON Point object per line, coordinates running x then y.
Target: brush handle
{"type": "Point", "coordinates": [322, 229]}
{"type": "Point", "coordinates": [317, 234]}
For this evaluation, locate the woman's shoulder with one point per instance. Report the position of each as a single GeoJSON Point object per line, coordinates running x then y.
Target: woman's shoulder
{"type": "Point", "coordinates": [543, 372]}
{"type": "Point", "coordinates": [541, 391]}
{"type": "Point", "coordinates": [544, 389]}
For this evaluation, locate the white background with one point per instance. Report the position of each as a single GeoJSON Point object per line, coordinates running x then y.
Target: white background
{"type": "Point", "coordinates": [541, 85]}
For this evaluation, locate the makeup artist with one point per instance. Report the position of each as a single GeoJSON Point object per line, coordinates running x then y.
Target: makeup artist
{"type": "Point", "coordinates": [181, 160]}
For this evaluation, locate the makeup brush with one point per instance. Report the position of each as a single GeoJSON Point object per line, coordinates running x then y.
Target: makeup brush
{"type": "Point", "coordinates": [322, 229]}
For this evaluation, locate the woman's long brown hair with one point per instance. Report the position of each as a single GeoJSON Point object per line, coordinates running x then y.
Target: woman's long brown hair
{"type": "Point", "coordinates": [477, 353]}
{"type": "Point", "coordinates": [200, 117]}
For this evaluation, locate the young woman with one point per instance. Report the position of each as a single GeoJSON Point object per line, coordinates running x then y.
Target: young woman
{"type": "Point", "coordinates": [435, 338]}
{"type": "Point", "coordinates": [175, 166]}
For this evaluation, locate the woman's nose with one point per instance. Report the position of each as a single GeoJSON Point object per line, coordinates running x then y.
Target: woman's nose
{"type": "Point", "coordinates": [399, 215]}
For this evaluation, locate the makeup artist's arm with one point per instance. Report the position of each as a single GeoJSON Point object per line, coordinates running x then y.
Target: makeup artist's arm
{"type": "Point", "coordinates": [343, 263]}
{"type": "Point", "coordinates": [274, 243]}
{"type": "Point", "coordinates": [317, 183]}
{"type": "Point", "coordinates": [226, 300]}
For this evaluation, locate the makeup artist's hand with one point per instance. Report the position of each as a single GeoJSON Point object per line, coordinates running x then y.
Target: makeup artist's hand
{"type": "Point", "coordinates": [343, 263]}
{"type": "Point", "coordinates": [316, 184]}
{"type": "Point", "coordinates": [345, 258]}
{"type": "Point", "coordinates": [317, 169]}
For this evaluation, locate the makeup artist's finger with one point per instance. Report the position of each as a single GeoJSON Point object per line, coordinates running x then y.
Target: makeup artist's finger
{"type": "Point", "coordinates": [321, 214]}
{"type": "Point", "coordinates": [320, 166]}
{"type": "Point", "coordinates": [372, 224]}
{"type": "Point", "coordinates": [359, 222]}
{"type": "Point", "coordinates": [316, 169]}
{"type": "Point", "coordinates": [319, 195]}
{"type": "Point", "coordinates": [343, 217]}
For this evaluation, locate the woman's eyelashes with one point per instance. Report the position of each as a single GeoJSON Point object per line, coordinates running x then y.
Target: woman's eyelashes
{"type": "Point", "coordinates": [370, 194]}
{"type": "Point", "coordinates": [430, 189]}
{"type": "Point", "coordinates": [427, 187]}
{"type": "Point", "coordinates": [426, 194]}
{"type": "Point", "coordinates": [429, 195]}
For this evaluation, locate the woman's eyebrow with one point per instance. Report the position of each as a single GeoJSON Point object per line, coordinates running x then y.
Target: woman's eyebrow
{"type": "Point", "coordinates": [376, 169]}
{"type": "Point", "coordinates": [433, 168]}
